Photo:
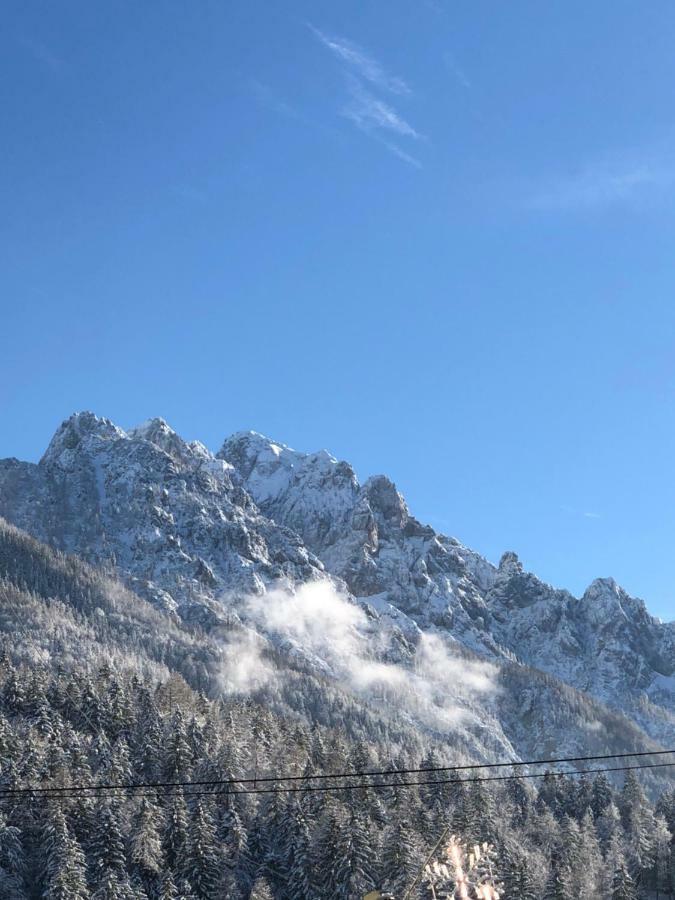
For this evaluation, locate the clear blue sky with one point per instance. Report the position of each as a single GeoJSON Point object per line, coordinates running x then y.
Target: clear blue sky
{"type": "Point", "coordinates": [436, 238]}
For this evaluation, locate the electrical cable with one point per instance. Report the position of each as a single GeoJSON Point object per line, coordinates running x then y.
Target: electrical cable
{"type": "Point", "coordinates": [225, 787]}
{"type": "Point", "coordinates": [340, 775]}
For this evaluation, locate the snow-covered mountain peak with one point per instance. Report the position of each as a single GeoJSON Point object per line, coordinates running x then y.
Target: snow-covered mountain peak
{"type": "Point", "coordinates": [82, 427]}
{"type": "Point", "coordinates": [385, 500]}
{"type": "Point", "coordinates": [605, 600]}
{"type": "Point", "coordinates": [510, 564]}
{"type": "Point", "coordinates": [270, 469]}
{"type": "Point", "coordinates": [249, 450]}
{"type": "Point", "coordinates": [159, 433]}
{"type": "Point", "coordinates": [188, 529]}
{"type": "Point", "coordinates": [365, 535]}
{"type": "Point", "coordinates": [174, 518]}
{"type": "Point", "coordinates": [154, 430]}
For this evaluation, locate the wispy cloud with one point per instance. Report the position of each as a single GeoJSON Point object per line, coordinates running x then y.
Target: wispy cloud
{"type": "Point", "coordinates": [635, 179]}
{"type": "Point", "coordinates": [586, 514]}
{"type": "Point", "coordinates": [402, 155]}
{"type": "Point", "coordinates": [267, 97]}
{"type": "Point", "coordinates": [369, 112]}
{"type": "Point", "coordinates": [363, 64]}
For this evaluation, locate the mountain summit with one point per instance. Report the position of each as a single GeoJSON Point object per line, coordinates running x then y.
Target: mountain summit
{"type": "Point", "coordinates": [197, 534]}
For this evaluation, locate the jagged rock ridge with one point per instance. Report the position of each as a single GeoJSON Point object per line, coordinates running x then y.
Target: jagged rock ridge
{"type": "Point", "coordinates": [194, 532]}
{"type": "Point", "coordinates": [604, 643]}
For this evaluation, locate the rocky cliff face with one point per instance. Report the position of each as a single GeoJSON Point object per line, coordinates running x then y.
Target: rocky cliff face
{"type": "Point", "coordinates": [604, 643]}
{"type": "Point", "coordinates": [165, 513]}
{"type": "Point", "coordinates": [194, 532]}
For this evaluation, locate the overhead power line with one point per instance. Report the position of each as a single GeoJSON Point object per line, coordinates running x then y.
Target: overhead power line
{"type": "Point", "coordinates": [130, 786]}
{"type": "Point", "coordinates": [222, 789]}
{"type": "Point", "coordinates": [229, 787]}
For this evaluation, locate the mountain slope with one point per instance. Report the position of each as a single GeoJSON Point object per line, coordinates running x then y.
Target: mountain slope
{"type": "Point", "coordinates": [604, 643]}
{"type": "Point", "coordinates": [90, 694]}
{"type": "Point", "coordinates": [203, 536]}
{"type": "Point", "coordinates": [164, 512]}
{"type": "Point", "coordinates": [60, 615]}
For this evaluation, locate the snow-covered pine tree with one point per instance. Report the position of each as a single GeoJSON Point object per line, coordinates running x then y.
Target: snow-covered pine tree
{"type": "Point", "coordinates": [107, 852]}
{"type": "Point", "coordinates": [167, 888]}
{"type": "Point", "coordinates": [176, 838]}
{"type": "Point", "coordinates": [623, 886]}
{"type": "Point", "coordinates": [12, 862]}
{"type": "Point", "coordinates": [261, 890]}
{"type": "Point", "coordinates": [297, 852]}
{"type": "Point", "coordinates": [401, 857]}
{"type": "Point", "coordinates": [353, 864]}
{"type": "Point", "coordinates": [590, 860]}
{"type": "Point", "coordinates": [145, 844]}
{"type": "Point", "coordinates": [64, 876]}
{"type": "Point", "coordinates": [205, 861]}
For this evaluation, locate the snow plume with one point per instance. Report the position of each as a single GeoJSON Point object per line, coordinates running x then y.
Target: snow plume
{"type": "Point", "coordinates": [336, 638]}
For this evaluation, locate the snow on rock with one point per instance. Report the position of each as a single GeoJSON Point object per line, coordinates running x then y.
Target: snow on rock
{"type": "Point", "coordinates": [165, 512]}
{"type": "Point", "coordinates": [604, 643]}
{"type": "Point", "coordinates": [195, 533]}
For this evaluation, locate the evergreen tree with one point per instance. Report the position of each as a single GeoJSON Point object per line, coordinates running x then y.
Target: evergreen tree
{"type": "Point", "coordinates": [64, 872]}
{"type": "Point", "coordinates": [176, 838]}
{"type": "Point", "coordinates": [590, 860]}
{"type": "Point", "coordinates": [559, 884]}
{"type": "Point", "coordinates": [353, 864]}
{"type": "Point", "coordinates": [261, 890]}
{"type": "Point", "coordinates": [232, 837]}
{"type": "Point", "coordinates": [325, 852]}
{"type": "Point", "coordinates": [204, 869]}
{"type": "Point", "coordinates": [12, 861]}
{"type": "Point", "coordinates": [108, 854]}
{"type": "Point", "coordinates": [297, 853]}
{"type": "Point", "coordinates": [525, 889]}
{"type": "Point", "coordinates": [178, 756]}
{"type": "Point", "coordinates": [145, 844]}
{"type": "Point", "coordinates": [602, 794]}
{"type": "Point", "coordinates": [608, 824]}
{"type": "Point", "coordinates": [272, 861]}
{"type": "Point", "coordinates": [167, 888]}
{"type": "Point", "coordinates": [401, 858]}
{"type": "Point", "coordinates": [663, 853]}
{"type": "Point", "coordinates": [623, 887]}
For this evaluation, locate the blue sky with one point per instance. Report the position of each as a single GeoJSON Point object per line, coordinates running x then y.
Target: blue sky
{"type": "Point", "coordinates": [433, 237]}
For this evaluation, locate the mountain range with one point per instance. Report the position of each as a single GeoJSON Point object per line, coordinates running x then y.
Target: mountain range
{"type": "Point", "coordinates": [284, 565]}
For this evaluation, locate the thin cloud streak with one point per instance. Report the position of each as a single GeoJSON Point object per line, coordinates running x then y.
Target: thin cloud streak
{"type": "Point", "coordinates": [631, 181]}
{"type": "Point", "coordinates": [367, 111]}
{"type": "Point", "coordinates": [586, 514]}
{"type": "Point", "coordinates": [367, 67]}
{"type": "Point", "coordinates": [402, 155]}
{"type": "Point", "coordinates": [266, 97]}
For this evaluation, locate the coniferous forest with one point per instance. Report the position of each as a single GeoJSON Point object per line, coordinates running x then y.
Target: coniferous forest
{"type": "Point", "coordinates": [98, 688]}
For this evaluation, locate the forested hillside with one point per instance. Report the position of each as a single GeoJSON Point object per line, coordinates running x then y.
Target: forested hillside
{"type": "Point", "coordinates": [97, 688]}
{"type": "Point", "coordinates": [573, 838]}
